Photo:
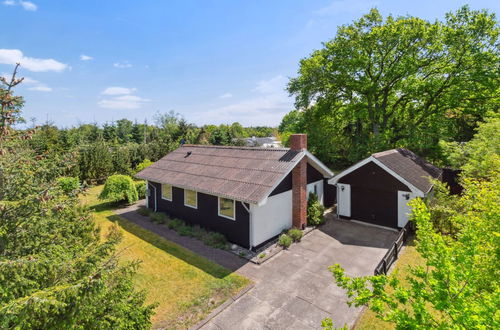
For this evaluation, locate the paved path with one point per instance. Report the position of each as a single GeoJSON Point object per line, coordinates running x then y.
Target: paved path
{"type": "Point", "coordinates": [294, 289]}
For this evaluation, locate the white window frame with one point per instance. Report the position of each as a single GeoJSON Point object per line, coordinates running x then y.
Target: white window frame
{"type": "Point", "coordinates": [196, 194]}
{"type": "Point", "coordinates": [171, 192]}
{"type": "Point", "coordinates": [223, 215]}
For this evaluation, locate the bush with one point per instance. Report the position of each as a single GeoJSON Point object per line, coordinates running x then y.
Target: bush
{"type": "Point", "coordinates": [158, 217]}
{"type": "Point", "coordinates": [216, 240]}
{"type": "Point", "coordinates": [285, 241]}
{"type": "Point", "coordinates": [119, 188]}
{"type": "Point", "coordinates": [175, 224]}
{"type": "Point", "coordinates": [141, 189]}
{"type": "Point", "coordinates": [262, 255]}
{"type": "Point", "coordinates": [314, 211]}
{"type": "Point", "coordinates": [142, 165]}
{"type": "Point", "coordinates": [295, 234]}
{"type": "Point", "coordinates": [69, 185]}
{"type": "Point", "coordinates": [144, 211]}
{"type": "Point", "coordinates": [199, 232]}
{"type": "Point", "coordinates": [185, 230]}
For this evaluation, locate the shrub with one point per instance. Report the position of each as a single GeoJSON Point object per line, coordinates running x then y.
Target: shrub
{"type": "Point", "coordinates": [142, 165]}
{"type": "Point", "coordinates": [158, 217]}
{"type": "Point", "coordinates": [144, 211]}
{"type": "Point", "coordinates": [199, 232]}
{"type": "Point", "coordinates": [314, 211]}
{"type": "Point", "coordinates": [119, 188]}
{"type": "Point", "coordinates": [262, 255]}
{"type": "Point", "coordinates": [216, 240]}
{"type": "Point", "coordinates": [141, 189]}
{"type": "Point", "coordinates": [175, 224]}
{"type": "Point", "coordinates": [295, 234]}
{"type": "Point", "coordinates": [285, 241]}
{"type": "Point", "coordinates": [185, 230]}
{"type": "Point", "coordinates": [68, 184]}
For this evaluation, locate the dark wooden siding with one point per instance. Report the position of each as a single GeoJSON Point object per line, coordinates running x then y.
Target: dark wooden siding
{"type": "Point", "coordinates": [330, 194]}
{"type": "Point", "coordinates": [313, 175]}
{"type": "Point", "coordinates": [374, 195]}
{"type": "Point", "coordinates": [206, 215]}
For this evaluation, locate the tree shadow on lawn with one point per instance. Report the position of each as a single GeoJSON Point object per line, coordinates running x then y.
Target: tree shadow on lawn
{"type": "Point", "coordinates": [171, 248]}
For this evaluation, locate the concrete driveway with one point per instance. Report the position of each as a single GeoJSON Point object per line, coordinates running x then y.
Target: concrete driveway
{"type": "Point", "coordinates": [295, 290]}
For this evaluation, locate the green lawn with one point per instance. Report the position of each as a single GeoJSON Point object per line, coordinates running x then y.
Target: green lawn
{"type": "Point", "coordinates": [185, 286]}
{"type": "Point", "coordinates": [368, 319]}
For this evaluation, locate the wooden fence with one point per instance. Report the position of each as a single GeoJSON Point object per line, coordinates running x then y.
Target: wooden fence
{"type": "Point", "coordinates": [392, 255]}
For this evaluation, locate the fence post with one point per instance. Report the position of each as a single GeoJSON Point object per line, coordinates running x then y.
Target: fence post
{"type": "Point", "coordinates": [384, 263]}
{"type": "Point", "coordinates": [395, 250]}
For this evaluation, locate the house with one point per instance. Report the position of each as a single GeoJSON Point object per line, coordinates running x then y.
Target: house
{"type": "Point", "coordinates": [377, 189]}
{"type": "Point", "coordinates": [264, 142]}
{"type": "Point", "coordinates": [248, 194]}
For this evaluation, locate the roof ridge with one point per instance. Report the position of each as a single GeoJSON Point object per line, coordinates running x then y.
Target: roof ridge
{"type": "Point", "coordinates": [210, 146]}
{"type": "Point", "coordinates": [238, 157]}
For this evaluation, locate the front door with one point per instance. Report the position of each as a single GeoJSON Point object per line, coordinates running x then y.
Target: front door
{"type": "Point", "coordinates": [344, 199]}
{"type": "Point", "coordinates": [404, 210]}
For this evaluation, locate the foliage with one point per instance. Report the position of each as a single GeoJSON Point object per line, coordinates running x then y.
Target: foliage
{"type": "Point", "coordinates": [185, 230]}
{"type": "Point", "coordinates": [69, 185]}
{"type": "Point", "coordinates": [262, 255]}
{"type": "Point", "coordinates": [285, 241]}
{"type": "Point", "coordinates": [142, 165]}
{"type": "Point", "coordinates": [119, 188]}
{"type": "Point", "coordinates": [141, 189]}
{"type": "Point", "coordinates": [398, 82]}
{"type": "Point", "coordinates": [144, 211]}
{"type": "Point", "coordinates": [10, 105]}
{"type": "Point", "coordinates": [95, 162]}
{"type": "Point", "coordinates": [315, 211]}
{"type": "Point", "coordinates": [215, 240]}
{"type": "Point", "coordinates": [175, 223]}
{"type": "Point", "coordinates": [158, 217]}
{"type": "Point", "coordinates": [295, 234]}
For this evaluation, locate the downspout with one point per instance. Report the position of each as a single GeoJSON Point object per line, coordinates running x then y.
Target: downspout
{"type": "Point", "coordinates": [249, 226]}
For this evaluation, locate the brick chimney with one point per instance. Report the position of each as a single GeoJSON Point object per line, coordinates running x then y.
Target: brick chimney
{"type": "Point", "coordinates": [298, 142]}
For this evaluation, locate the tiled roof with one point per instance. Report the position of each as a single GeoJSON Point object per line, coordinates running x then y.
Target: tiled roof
{"type": "Point", "coordinates": [241, 173]}
{"type": "Point", "coordinates": [410, 167]}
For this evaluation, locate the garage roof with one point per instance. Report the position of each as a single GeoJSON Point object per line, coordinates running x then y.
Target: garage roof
{"type": "Point", "coordinates": [402, 164]}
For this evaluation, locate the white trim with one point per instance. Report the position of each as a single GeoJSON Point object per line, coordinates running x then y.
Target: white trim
{"type": "Point", "coordinates": [321, 166]}
{"type": "Point", "coordinates": [152, 185]}
{"type": "Point", "coordinates": [147, 194]}
{"type": "Point", "coordinates": [223, 215]}
{"type": "Point", "coordinates": [171, 192]}
{"type": "Point", "coordinates": [354, 167]}
{"type": "Point", "coordinates": [196, 194]}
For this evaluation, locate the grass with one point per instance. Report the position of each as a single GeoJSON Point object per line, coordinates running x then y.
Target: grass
{"type": "Point", "coordinates": [368, 319]}
{"type": "Point", "coordinates": [185, 286]}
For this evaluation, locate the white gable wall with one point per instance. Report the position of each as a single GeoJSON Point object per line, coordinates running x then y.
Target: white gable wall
{"type": "Point", "coordinates": [269, 219]}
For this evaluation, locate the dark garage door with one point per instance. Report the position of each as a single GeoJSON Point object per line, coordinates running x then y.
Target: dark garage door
{"type": "Point", "coordinates": [374, 206]}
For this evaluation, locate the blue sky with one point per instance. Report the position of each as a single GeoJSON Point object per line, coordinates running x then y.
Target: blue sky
{"type": "Point", "coordinates": [211, 61]}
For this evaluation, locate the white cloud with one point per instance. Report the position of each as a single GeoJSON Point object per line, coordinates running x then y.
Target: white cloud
{"type": "Point", "coordinates": [84, 57]}
{"type": "Point", "coordinates": [41, 88]}
{"type": "Point", "coordinates": [347, 7]}
{"type": "Point", "coordinates": [124, 102]}
{"type": "Point", "coordinates": [28, 5]}
{"type": "Point", "coordinates": [226, 96]}
{"type": "Point", "coordinates": [13, 56]}
{"type": "Point", "coordinates": [267, 107]}
{"type": "Point", "coordinates": [118, 91]}
{"type": "Point", "coordinates": [122, 65]}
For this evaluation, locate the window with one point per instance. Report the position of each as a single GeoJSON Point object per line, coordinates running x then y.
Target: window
{"type": "Point", "coordinates": [166, 192]}
{"type": "Point", "coordinates": [226, 208]}
{"type": "Point", "coordinates": [190, 198]}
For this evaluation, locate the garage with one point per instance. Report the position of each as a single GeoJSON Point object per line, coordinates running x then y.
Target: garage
{"type": "Point", "coordinates": [377, 189]}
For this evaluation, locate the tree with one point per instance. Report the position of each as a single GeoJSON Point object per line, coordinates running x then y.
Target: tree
{"type": "Point", "coordinates": [398, 82]}
{"type": "Point", "coordinates": [10, 105]}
